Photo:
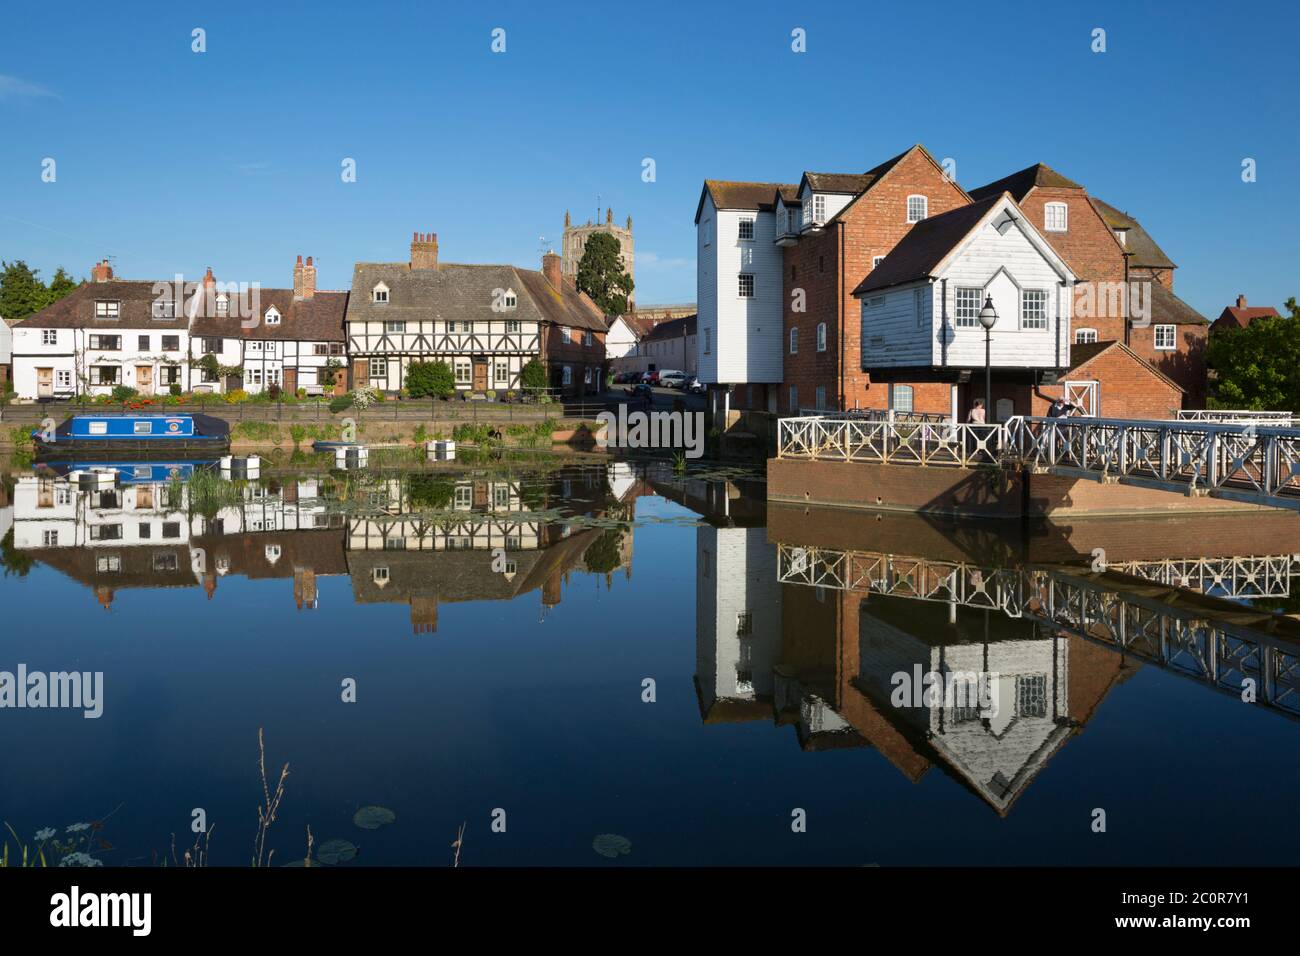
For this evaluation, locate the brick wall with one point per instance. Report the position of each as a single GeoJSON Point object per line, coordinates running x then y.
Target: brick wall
{"type": "Point", "coordinates": [1185, 365]}
{"type": "Point", "coordinates": [1128, 389]}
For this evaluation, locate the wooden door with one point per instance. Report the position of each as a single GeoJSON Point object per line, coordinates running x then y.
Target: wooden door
{"type": "Point", "coordinates": [360, 372]}
{"type": "Point", "coordinates": [480, 375]}
{"type": "Point", "coordinates": [144, 379]}
{"type": "Point", "coordinates": [45, 383]}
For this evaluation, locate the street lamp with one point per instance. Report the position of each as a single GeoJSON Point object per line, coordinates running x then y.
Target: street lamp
{"type": "Point", "coordinates": [988, 319]}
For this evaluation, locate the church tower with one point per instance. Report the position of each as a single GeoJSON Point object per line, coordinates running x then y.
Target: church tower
{"type": "Point", "coordinates": [575, 239]}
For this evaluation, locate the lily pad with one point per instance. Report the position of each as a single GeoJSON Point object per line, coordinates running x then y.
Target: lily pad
{"type": "Point", "coordinates": [611, 845]}
{"type": "Point", "coordinates": [332, 852]}
{"type": "Point", "coordinates": [372, 818]}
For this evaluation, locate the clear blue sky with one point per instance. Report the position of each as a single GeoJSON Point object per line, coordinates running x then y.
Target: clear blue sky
{"type": "Point", "coordinates": [172, 161]}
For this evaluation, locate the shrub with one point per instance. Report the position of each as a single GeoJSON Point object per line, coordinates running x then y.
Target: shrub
{"type": "Point", "coordinates": [273, 393]}
{"type": "Point", "coordinates": [533, 374]}
{"type": "Point", "coordinates": [123, 393]}
{"type": "Point", "coordinates": [236, 396]}
{"type": "Point", "coordinates": [364, 397]}
{"type": "Point", "coordinates": [175, 389]}
{"type": "Point", "coordinates": [491, 395]}
{"type": "Point", "coordinates": [341, 403]}
{"type": "Point", "coordinates": [257, 431]}
{"type": "Point", "coordinates": [430, 380]}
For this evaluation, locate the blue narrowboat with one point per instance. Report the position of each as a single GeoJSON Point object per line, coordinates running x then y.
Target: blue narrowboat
{"type": "Point", "coordinates": [129, 472]}
{"type": "Point", "coordinates": [145, 436]}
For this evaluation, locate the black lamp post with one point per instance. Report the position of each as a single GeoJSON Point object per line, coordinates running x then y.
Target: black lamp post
{"type": "Point", "coordinates": [988, 318]}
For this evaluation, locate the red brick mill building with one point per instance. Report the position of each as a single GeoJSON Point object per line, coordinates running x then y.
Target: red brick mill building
{"type": "Point", "coordinates": [787, 324]}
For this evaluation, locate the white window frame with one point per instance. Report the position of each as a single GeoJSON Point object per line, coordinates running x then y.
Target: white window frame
{"type": "Point", "coordinates": [742, 285]}
{"type": "Point", "coordinates": [821, 336]}
{"type": "Point", "coordinates": [512, 325]}
{"type": "Point", "coordinates": [819, 209]}
{"type": "Point", "coordinates": [876, 260]}
{"type": "Point", "coordinates": [922, 206]}
{"type": "Point", "coordinates": [741, 229]}
{"type": "Point", "coordinates": [967, 316]}
{"type": "Point", "coordinates": [1036, 324]}
{"type": "Point", "coordinates": [379, 294]}
{"type": "Point", "coordinates": [897, 390]}
{"type": "Point", "coordinates": [378, 367]}
{"type": "Point", "coordinates": [501, 373]}
{"type": "Point", "coordinates": [49, 336]}
{"type": "Point", "coordinates": [567, 375]}
{"type": "Point", "coordinates": [1085, 336]}
{"type": "Point", "coordinates": [1053, 211]}
{"type": "Point", "coordinates": [1165, 329]}
{"type": "Point", "coordinates": [397, 327]}
{"type": "Point", "coordinates": [272, 316]}
{"type": "Point", "coordinates": [464, 370]}
{"type": "Point", "coordinates": [565, 335]}
{"type": "Point", "coordinates": [108, 309]}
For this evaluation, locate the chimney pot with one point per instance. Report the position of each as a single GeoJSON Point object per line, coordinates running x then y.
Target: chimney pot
{"type": "Point", "coordinates": [551, 269]}
{"type": "Point", "coordinates": [304, 279]}
{"type": "Point", "coordinates": [102, 271]}
{"type": "Point", "coordinates": [424, 251]}
{"type": "Point", "coordinates": [1241, 301]}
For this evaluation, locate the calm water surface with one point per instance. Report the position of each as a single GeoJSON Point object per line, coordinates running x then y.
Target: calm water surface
{"type": "Point", "coordinates": [501, 625]}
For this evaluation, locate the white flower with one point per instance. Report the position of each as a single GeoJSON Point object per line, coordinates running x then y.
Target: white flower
{"type": "Point", "coordinates": [78, 827]}
{"type": "Point", "coordinates": [79, 859]}
{"type": "Point", "coordinates": [43, 835]}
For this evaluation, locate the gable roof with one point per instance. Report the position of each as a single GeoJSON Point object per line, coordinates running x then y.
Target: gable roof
{"type": "Point", "coordinates": [1019, 183]}
{"type": "Point", "coordinates": [465, 293]}
{"type": "Point", "coordinates": [1242, 316]}
{"type": "Point", "coordinates": [1082, 354]}
{"type": "Point", "coordinates": [76, 310]}
{"type": "Point", "coordinates": [672, 329]}
{"type": "Point", "coordinates": [877, 174]}
{"type": "Point", "coordinates": [727, 194]}
{"type": "Point", "coordinates": [1168, 309]}
{"type": "Point", "coordinates": [1138, 245]}
{"type": "Point", "coordinates": [315, 319]}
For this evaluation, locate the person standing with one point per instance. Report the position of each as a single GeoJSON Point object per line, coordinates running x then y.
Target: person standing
{"type": "Point", "coordinates": [976, 414]}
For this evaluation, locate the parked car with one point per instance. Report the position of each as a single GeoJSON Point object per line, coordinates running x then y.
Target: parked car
{"type": "Point", "coordinates": [649, 378]}
{"type": "Point", "coordinates": [695, 386]}
{"type": "Point", "coordinates": [672, 378]}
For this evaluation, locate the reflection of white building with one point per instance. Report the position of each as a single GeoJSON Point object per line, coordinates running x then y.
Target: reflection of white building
{"type": "Point", "coordinates": [477, 515]}
{"type": "Point", "coordinates": [738, 620]}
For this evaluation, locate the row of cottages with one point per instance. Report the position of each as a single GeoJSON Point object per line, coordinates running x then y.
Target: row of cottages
{"type": "Point", "coordinates": [485, 321]}
{"type": "Point", "coordinates": [155, 338]}
{"type": "Point", "coordinates": [804, 289]}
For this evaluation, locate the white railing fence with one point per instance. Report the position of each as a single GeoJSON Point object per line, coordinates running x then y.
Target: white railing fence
{"type": "Point", "coordinates": [865, 439]}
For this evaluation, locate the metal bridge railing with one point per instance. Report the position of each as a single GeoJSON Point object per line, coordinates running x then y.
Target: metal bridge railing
{"type": "Point", "coordinates": [861, 439]}
{"type": "Point", "coordinates": [1236, 416]}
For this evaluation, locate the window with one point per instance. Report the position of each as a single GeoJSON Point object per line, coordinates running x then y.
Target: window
{"type": "Point", "coordinates": [1056, 216]}
{"type": "Point", "coordinates": [105, 532]}
{"type": "Point", "coordinates": [211, 346]}
{"type": "Point", "coordinates": [1031, 695]}
{"type": "Point", "coordinates": [272, 316]}
{"type": "Point", "coordinates": [502, 373]}
{"type": "Point", "coordinates": [918, 207]}
{"type": "Point", "coordinates": [568, 375]}
{"type": "Point", "coordinates": [171, 343]}
{"type": "Point", "coordinates": [451, 327]}
{"type": "Point", "coordinates": [744, 623]}
{"type": "Point", "coordinates": [1122, 236]}
{"type": "Point", "coordinates": [708, 341]}
{"type": "Point", "coordinates": [746, 229]}
{"type": "Point", "coordinates": [255, 376]}
{"type": "Point", "coordinates": [171, 529]}
{"type": "Point", "coordinates": [794, 398]}
{"type": "Point", "coordinates": [586, 376]}
{"type": "Point", "coordinates": [791, 221]}
{"type": "Point", "coordinates": [104, 374]}
{"type": "Point", "coordinates": [108, 310]}
{"type": "Point", "coordinates": [142, 343]}
{"type": "Point", "coordinates": [876, 260]}
{"type": "Point", "coordinates": [464, 371]}
{"type": "Point", "coordinates": [379, 368]}
{"type": "Point", "coordinates": [1033, 309]}
{"type": "Point", "coordinates": [512, 325]}
{"type": "Point", "coordinates": [918, 307]}
{"type": "Point", "coordinates": [966, 315]}
{"type": "Point", "coordinates": [1084, 336]}
{"type": "Point", "coordinates": [900, 398]}
{"type": "Point", "coordinates": [223, 304]}
{"type": "Point", "coordinates": [564, 334]}
{"type": "Point", "coordinates": [379, 294]}
{"type": "Point", "coordinates": [821, 336]}
{"type": "Point", "coordinates": [746, 280]}
{"type": "Point", "coordinates": [145, 531]}
{"type": "Point", "coordinates": [587, 339]}
{"type": "Point", "coordinates": [63, 378]}
{"type": "Point", "coordinates": [170, 374]}
{"type": "Point", "coordinates": [49, 539]}
{"type": "Point", "coordinates": [875, 302]}
{"type": "Point", "coordinates": [142, 427]}
{"type": "Point", "coordinates": [794, 341]}
{"type": "Point", "coordinates": [394, 326]}
{"type": "Point", "coordinates": [49, 337]}
{"type": "Point", "coordinates": [254, 346]}
{"type": "Point", "coordinates": [819, 209]}
{"type": "Point", "coordinates": [106, 343]}
{"type": "Point", "coordinates": [820, 400]}
{"type": "Point", "coordinates": [464, 496]}
{"type": "Point", "coordinates": [1166, 341]}
{"type": "Point", "coordinates": [164, 309]}
{"type": "Point", "coordinates": [165, 562]}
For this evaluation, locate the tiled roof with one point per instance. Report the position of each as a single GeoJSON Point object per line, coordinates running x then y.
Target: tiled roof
{"type": "Point", "coordinates": [76, 310]}
{"type": "Point", "coordinates": [740, 195]}
{"type": "Point", "coordinates": [672, 329]}
{"type": "Point", "coordinates": [1140, 247]}
{"type": "Point", "coordinates": [917, 253]}
{"type": "Point", "coordinates": [1019, 184]}
{"type": "Point", "coordinates": [852, 183]}
{"type": "Point", "coordinates": [466, 293]}
{"type": "Point", "coordinates": [1242, 317]}
{"type": "Point", "coordinates": [1081, 355]}
{"type": "Point", "coordinates": [1168, 309]}
{"type": "Point", "coordinates": [316, 319]}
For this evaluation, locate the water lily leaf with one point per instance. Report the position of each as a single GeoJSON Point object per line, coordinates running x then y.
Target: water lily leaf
{"type": "Point", "coordinates": [336, 851]}
{"type": "Point", "coordinates": [611, 845]}
{"type": "Point", "coordinates": [372, 818]}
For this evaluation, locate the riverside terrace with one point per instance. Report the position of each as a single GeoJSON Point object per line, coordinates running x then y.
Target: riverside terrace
{"type": "Point", "coordinates": [1031, 465]}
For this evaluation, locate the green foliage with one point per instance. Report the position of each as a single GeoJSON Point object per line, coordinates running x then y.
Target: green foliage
{"type": "Point", "coordinates": [14, 560]}
{"type": "Point", "coordinates": [236, 396]}
{"type": "Point", "coordinates": [533, 374]}
{"type": "Point", "coordinates": [22, 292]}
{"type": "Point", "coordinates": [340, 403]}
{"type": "Point", "coordinates": [256, 431]}
{"type": "Point", "coordinates": [430, 492]}
{"type": "Point", "coordinates": [124, 393]}
{"type": "Point", "coordinates": [430, 380]}
{"type": "Point", "coordinates": [1258, 367]}
{"type": "Point", "coordinates": [473, 433]}
{"type": "Point", "coordinates": [174, 388]}
{"type": "Point", "coordinates": [601, 274]}
{"type": "Point", "coordinates": [603, 556]}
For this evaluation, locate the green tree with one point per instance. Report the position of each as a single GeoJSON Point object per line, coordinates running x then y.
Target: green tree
{"type": "Point", "coordinates": [60, 285]}
{"type": "Point", "coordinates": [533, 374]}
{"type": "Point", "coordinates": [601, 275]}
{"type": "Point", "coordinates": [1258, 367]}
{"type": "Point", "coordinates": [430, 379]}
{"type": "Point", "coordinates": [21, 290]}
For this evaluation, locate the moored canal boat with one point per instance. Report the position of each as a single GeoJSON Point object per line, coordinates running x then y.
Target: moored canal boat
{"type": "Point", "coordinates": [146, 436]}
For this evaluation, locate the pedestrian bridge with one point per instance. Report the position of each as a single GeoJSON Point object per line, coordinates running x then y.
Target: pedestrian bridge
{"type": "Point", "coordinates": [1244, 459]}
{"type": "Point", "coordinates": [1210, 641]}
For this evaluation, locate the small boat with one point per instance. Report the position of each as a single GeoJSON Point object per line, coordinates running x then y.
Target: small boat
{"type": "Point", "coordinates": [139, 436]}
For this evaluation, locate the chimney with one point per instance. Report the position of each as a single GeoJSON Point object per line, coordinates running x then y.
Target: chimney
{"type": "Point", "coordinates": [304, 279]}
{"type": "Point", "coordinates": [424, 250]}
{"type": "Point", "coordinates": [209, 280]}
{"type": "Point", "coordinates": [551, 269]}
{"type": "Point", "coordinates": [1241, 301]}
{"type": "Point", "coordinates": [101, 271]}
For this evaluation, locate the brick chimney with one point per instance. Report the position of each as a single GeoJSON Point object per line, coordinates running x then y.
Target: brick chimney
{"type": "Point", "coordinates": [1241, 301]}
{"type": "Point", "coordinates": [551, 269]}
{"type": "Point", "coordinates": [209, 280]}
{"type": "Point", "coordinates": [424, 250]}
{"type": "Point", "coordinates": [101, 271]}
{"type": "Point", "coordinates": [304, 279]}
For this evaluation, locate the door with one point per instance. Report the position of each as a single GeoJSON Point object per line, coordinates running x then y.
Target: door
{"type": "Point", "coordinates": [1086, 395]}
{"type": "Point", "coordinates": [144, 379]}
{"type": "Point", "coordinates": [45, 383]}
{"type": "Point", "coordinates": [480, 375]}
{"type": "Point", "coordinates": [291, 381]}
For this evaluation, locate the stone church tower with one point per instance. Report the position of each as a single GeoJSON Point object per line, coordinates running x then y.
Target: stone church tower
{"type": "Point", "coordinates": [575, 242]}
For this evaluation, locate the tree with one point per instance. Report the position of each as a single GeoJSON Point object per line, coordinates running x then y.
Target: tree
{"type": "Point", "coordinates": [533, 374]}
{"type": "Point", "coordinates": [1258, 367]}
{"type": "Point", "coordinates": [21, 291]}
{"type": "Point", "coordinates": [430, 380]}
{"type": "Point", "coordinates": [60, 285]}
{"type": "Point", "coordinates": [601, 275]}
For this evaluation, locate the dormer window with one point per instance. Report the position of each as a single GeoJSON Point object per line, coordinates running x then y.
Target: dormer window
{"type": "Point", "coordinates": [1122, 236]}
{"type": "Point", "coordinates": [1056, 217]}
{"type": "Point", "coordinates": [379, 295]}
{"type": "Point", "coordinates": [164, 309]}
{"type": "Point", "coordinates": [509, 300]}
{"type": "Point", "coordinates": [223, 304]}
{"type": "Point", "coordinates": [918, 208]}
{"type": "Point", "coordinates": [106, 309]}
{"type": "Point", "coordinates": [272, 316]}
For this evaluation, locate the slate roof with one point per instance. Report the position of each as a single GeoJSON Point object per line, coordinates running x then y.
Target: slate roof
{"type": "Point", "coordinates": [317, 319]}
{"type": "Point", "coordinates": [672, 329]}
{"type": "Point", "coordinates": [926, 243]}
{"type": "Point", "coordinates": [1168, 309]}
{"type": "Point", "coordinates": [76, 310]}
{"type": "Point", "coordinates": [464, 293]}
{"type": "Point", "coordinates": [1140, 247]}
{"type": "Point", "coordinates": [1019, 183]}
{"type": "Point", "coordinates": [740, 195]}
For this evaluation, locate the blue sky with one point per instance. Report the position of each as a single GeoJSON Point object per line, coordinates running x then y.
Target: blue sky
{"type": "Point", "coordinates": [171, 161]}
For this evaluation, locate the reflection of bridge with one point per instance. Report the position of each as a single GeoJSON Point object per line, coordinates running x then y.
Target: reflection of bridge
{"type": "Point", "coordinates": [1204, 638]}
{"type": "Point", "coordinates": [1235, 577]}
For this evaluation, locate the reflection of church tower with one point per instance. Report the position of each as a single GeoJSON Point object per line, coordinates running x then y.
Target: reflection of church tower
{"type": "Point", "coordinates": [424, 615]}
{"type": "Point", "coordinates": [304, 588]}
{"type": "Point", "coordinates": [737, 622]}
{"type": "Point", "coordinates": [575, 239]}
